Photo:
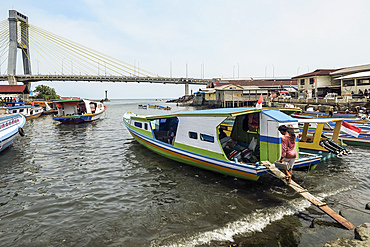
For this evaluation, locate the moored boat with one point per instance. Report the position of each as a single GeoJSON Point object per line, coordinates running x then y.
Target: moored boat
{"type": "Point", "coordinates": [313, 138]}
{"type": "Point", "coordinates": [49, 107]}
{"type": "Point", "coordinates": [10, 126]}
{"type": "Point", "coordinates": [348, 117]}
{"type": "Point", "coordinates": [78, 110]}
{"type": "Point", "coordinates": [195, 138]}
{"type": "Point", "coordinates": [29, 111]}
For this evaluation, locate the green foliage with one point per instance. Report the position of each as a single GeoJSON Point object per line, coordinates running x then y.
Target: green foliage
{"type": "Point", "coordinates": [46, 92]}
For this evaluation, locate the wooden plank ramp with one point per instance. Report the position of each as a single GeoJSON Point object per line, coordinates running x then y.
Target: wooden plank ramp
{"type": "Point", "coordinates": [315, 201]}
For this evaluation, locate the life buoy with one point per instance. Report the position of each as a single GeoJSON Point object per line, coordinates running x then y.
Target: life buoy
{"type": "Point", "coordinates": [20, 131]}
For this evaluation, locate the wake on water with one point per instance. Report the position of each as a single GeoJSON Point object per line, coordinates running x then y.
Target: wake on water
{"type": "Point", "coordinates": [254, 222]}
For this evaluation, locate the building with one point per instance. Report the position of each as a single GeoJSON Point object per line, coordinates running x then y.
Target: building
{"type": "Point", "coordinates": [14, 91]}
{"type": "Point", "coordinates": [352, 79]}
{"type": "Point", "coordinates": [317, 83]}
{"type": "Point", "coordinates": [241, 92]}
{"type": "Point", "coordinates": [345, 81]}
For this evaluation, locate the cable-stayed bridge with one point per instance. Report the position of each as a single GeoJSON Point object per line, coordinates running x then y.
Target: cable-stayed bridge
{"type": "Point", "coordinates": [49, 57]}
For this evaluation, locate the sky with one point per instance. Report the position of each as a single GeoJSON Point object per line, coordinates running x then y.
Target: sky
{"type": "Point", "coordinates": [207, 38]}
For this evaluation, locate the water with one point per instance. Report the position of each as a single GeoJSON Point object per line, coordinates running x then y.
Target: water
{"type": "Point", "coordinates": [93, 185]}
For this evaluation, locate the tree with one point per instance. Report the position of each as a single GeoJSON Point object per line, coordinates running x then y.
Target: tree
{"type": "Point", "coordinates": [46, 92]}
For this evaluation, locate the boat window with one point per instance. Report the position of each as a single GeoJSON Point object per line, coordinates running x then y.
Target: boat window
{"type": "Point", "coordinates": [165, 129]}
{"type": "Point", "coordinates": [207, 138]}
{"type": "Point", "coordinates": [193, 135]}
{"type": "Point", "coordinates": [14, 111]}
{"type": "Point", "coordinates": [146, 126]}
{"type": "Point", "coordinates": [21, 110]}
{"type": "Point", "coordinates": [138, 124]}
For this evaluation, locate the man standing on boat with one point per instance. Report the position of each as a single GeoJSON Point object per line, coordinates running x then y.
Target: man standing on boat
{"type": "Point", "coordinates": [289, 151]}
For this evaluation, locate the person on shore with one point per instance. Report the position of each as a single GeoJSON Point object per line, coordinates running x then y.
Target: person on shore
{"type": "Point", "coordinates": [289, 151]}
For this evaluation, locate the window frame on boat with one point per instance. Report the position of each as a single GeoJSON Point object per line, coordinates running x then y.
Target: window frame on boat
{"type": "Point", "coordinates": [193, 135]}
{"type": "Point", "coordinates": [207, 138]}
{"type": "Point", "coordinates": [138, 124]}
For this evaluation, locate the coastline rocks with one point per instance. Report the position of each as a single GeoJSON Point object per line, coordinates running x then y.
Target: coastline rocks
{"type": "Point", "coordinates": [362, 232]}
{"type": "Point", "coordinates": [362, 238]}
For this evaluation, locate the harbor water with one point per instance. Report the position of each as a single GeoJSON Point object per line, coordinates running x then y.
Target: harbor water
{"type": "Point", "coordinates": [92, 184]}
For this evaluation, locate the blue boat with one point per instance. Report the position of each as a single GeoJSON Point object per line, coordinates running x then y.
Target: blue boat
{"type": "Point", "coordinates": [10, 126]}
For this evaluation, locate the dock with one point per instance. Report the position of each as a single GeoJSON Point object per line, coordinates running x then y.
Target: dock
{"type": "Point", "coordinates": [315, 201]}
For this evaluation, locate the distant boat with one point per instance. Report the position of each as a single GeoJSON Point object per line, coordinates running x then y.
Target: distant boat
{"type": "Point", "coordinates": [78, 110]}
{"type": "Point", "coordinates": [140, 106]}
{"type": "Point", "coordinates": [159, 107]}
{"type": "Point", "coordinates": [10, 126]}
{"type": "Point", "coordinates": [29, 111]}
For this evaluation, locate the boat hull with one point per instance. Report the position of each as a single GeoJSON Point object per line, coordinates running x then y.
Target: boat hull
{"type": "Point", "coordinates": [78, 118]}
{"type": "Point", "coordinates": [9, 128]}
{"type": "Point", "coordinates": [33, 116]}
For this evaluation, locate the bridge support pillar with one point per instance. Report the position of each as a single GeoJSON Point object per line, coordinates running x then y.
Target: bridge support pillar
{"type": "Point", "coordinates": [14, 17]}
{"type": "Point", "coordinates": [186, 89]}
{"type": "Point", "coordinates": [12, 80]}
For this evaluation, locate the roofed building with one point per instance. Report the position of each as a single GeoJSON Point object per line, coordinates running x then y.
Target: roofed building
{"type": "Point", "coordinates": [14, 91]}
{"type": "Point", "coordinates": [317, 83]}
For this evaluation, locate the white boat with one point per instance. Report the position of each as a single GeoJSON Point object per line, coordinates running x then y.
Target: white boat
{"type": "Point", "coordinates": [29, 111]}
{"type": "Point", "coordinates": [10, 126]}
{"type": "Point", "coordinates": [78, 110]}
{"type": "Point", "coordinates": [193, 138]}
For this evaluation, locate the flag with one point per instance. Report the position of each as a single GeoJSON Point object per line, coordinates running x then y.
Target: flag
{"type": "Point", "coordinates": [350, 129]}
{"type": "Point", "coordinates": [259, 102]}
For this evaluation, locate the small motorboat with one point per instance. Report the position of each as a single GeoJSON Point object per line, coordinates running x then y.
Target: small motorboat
{"type": "Point", "coordinates": [29, 111]}
{"type": "Point", "coordinates": [194, 138]}
{"type": "Point", "coordinates": [75, 111]}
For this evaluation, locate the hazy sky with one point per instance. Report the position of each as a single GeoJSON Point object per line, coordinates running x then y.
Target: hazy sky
{"type": "Point", "coordinates": [231, 38]}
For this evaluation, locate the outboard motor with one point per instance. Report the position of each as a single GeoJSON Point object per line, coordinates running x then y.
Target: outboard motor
{"type": "Point", "coordinates": [329, 144]}
{"type": "Point", "coordinates": [247, 156]}
{"type": "Point", "coordinates": [235, 155]}
{"type": "Point", "coordinates": [324, 144]}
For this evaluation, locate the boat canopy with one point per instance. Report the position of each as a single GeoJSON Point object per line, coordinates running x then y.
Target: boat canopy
{"type": "Point", "coordinates": [67, 100]}
{"type": "Point", "coordinates": [279, 116]}
{"type": "Point", "coordinates": [319, 120]}
{"type": "Point", "coordinates": [220, 112]}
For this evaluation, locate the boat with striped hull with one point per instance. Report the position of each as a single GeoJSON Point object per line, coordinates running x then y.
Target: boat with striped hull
{"type": "Point", "coordinates": [195, 138]}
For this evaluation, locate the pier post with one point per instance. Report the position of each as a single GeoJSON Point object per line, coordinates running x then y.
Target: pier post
{"type": "Point", "coordinates": [186, 89]}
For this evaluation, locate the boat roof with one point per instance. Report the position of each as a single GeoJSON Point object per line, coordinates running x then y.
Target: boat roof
{"type": "Point", "coordinates": [67, 100]}
{"type": "Point", "coordinates": [279, 116]}
{"type": "Point", "coordinates": [219, 112]}
{"type": "Point", "coordinates": [20, 106]}
{"type": "Point", "coordinates": [318, 120]}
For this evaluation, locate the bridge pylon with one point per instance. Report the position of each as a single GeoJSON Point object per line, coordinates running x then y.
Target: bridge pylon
{"type": "Point", "coordinates": [16, 42]}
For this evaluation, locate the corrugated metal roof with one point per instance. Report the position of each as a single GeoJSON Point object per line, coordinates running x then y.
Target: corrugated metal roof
{"type": "Point", "coordinates": [14, 89]}
{"type": "Point", "coordinates": [353, 69]}
{"type": "Point", "coordinates": [356, 75]}
{"type": "Point", "coordinates": [318, 72]}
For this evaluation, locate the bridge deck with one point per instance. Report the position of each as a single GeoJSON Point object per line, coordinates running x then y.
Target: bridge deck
{"type": "Point", "coordinates": [163, 80]}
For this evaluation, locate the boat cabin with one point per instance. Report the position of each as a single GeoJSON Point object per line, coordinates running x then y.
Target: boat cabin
{"type": "Point", "coordinates": [245, 135]}
{"type": "Point", "coordinates": [78, 107]}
